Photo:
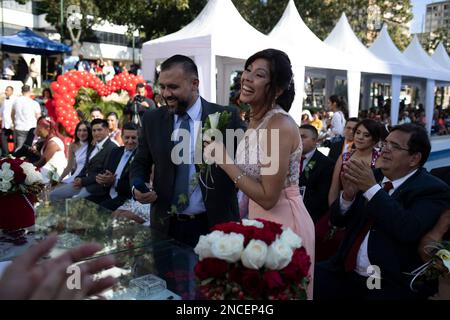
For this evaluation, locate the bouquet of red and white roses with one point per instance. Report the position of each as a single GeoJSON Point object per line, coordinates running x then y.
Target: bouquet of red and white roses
{"type": "Point", "coordinates": [252, 259]}
{"type": "Point", "coordinates": [19, 176]}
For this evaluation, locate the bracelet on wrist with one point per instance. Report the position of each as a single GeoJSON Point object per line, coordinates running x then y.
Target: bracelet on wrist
{"type": "Point", "coordinates": [239, 177]}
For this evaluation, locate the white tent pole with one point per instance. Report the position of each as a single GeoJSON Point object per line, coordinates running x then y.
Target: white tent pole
{"type": "Point", "coordinates": [367, 82]}
{"type": "Point", "coordinates": [221, 81]}
{"type": "Point", "coordinates": [207, 75]}
{"type": "Point", "coordinates": [149, 70]}
{"type": "Point", "coordinates": [429, 103]}
{"type": "Point", "coordinates": [297, 105]}
{"type": "Point", "coordinates": [353, 90]}
{"type": "Point", "coordinates": [330, 85]}
{"type": "Point", "coordinates": [396, 84]}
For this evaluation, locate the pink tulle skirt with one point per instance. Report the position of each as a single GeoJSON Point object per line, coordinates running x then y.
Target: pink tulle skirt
{"type": "Point", "coordinates": [291, 212]}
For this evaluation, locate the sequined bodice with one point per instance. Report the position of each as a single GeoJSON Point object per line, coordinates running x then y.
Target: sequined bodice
{"type": "Point", "coordinates": [251, 154]}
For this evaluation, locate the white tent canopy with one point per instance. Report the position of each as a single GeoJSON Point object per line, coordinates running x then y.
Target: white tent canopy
{"type": "Point", "coordinates": [307, 50]}
{"type": "Point", "coordinates": [343, 38]}
{"type": "Point", "coordinates": [218, 38]}
{"type": "Point", "coordinates": [416, 54]}
{"type": "Point", "coordinates": [441, 57]}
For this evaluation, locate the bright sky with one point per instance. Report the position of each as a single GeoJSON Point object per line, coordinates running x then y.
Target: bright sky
{"type": "Point", "coordinates": [419, 8]}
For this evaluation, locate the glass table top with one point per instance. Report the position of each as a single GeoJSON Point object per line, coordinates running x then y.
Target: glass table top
{"type": "Point", "coordinates": [139, 250]}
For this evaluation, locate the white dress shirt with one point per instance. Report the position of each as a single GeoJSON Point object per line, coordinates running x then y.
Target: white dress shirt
{"type": "Point", "coordinates": [362, 258]}
{"type": "Point", "coordinates": [98, 146]}
{"type": "Point", "coordinates": [118, 173]}
{"type": "Point", "coordinates": [308, 157]}
{"type": "Point", "coordinates": [5, 112]}
{"type": "Point", "coordinates": [196, 204]}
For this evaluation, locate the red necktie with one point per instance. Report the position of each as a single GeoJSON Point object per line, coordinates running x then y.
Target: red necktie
{"type": "Point", "coordinates": [301, 164]}
{"type": "Point", "coordinates": [350, 260]}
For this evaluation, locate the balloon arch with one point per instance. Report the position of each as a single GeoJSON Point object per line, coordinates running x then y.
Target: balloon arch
{"type": "Point", "coordinates": [66, 87]}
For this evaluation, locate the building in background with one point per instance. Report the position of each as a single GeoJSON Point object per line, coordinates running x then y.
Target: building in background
{"type": "Point", "coordinates": [437, 16]}
{"type": "Point", "coordinates": [106, 41]}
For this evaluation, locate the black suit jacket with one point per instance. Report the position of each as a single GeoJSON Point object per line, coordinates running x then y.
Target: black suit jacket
{"type": "Point", "coordinates": [95, 166]}
{"type": "Point", "coordinates": [336, 149]}
{"type": "Point", "coordinates": [317, 182]}
{"type": "Point", "coordinates": [123, 185]}
{"type": "Point", "coordinates": [400, 221]}
{"type": "Point", "coordinates": [155, 148]}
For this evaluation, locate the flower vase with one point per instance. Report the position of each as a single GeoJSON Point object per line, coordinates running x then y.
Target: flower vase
{"type": "Point", "coordinates": [17, 211]}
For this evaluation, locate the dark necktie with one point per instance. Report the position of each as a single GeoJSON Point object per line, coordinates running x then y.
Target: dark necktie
{"type": "Point", "coordinates": [350, 260]}
{"type": "Point", "coordinates": [182, 172]}
{"type": "Point", "coordinates": [302, 161]}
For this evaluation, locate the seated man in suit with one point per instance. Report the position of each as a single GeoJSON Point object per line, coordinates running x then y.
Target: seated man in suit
{"type": "Point", "coordinates": [115, 179]}
{"type": "Point", "coordinates": [386, 213]}
{"type": "Point", "coordinates": [316, 171]}
{"type": "Point", "coordinates": [85, 185]}
{"type": "Point", "coordinates": [343, 145]}
{"type": "Point", "coordinates": [31, 149]}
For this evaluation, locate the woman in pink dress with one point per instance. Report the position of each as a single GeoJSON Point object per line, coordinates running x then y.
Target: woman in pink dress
{"type": "Point", "coordinates": [270, 179]}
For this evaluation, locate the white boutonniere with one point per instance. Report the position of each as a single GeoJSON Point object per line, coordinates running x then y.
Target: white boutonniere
{"type": "Point", "coordinates": [215, 125]}
{"type": "Point", "coordinates": [308, 168]}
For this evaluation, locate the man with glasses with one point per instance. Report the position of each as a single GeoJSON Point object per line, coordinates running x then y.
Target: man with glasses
{"type": "Point", "coordinates": [386, 213]}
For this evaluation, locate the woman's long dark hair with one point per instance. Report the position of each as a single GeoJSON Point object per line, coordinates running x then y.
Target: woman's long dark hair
{"type": "Point", "coordinates": [88, 126]}
{"type": "Point", "coordinates": [281, 77]}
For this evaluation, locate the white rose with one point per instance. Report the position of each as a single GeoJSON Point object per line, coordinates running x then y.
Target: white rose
{"type": "Point", "coordinates": [252, 223]}
{"type": "Point", "coordinates": [291, 238]}
{"type": "Point", "coordinates": [279, 255]}
{"type": "Point", "coordinates": [5, 186]}
{"type": "Point", "coordinates": [6, 174]}
{"type": "Point", "coordinates": [254, 255]}
{"type": "Point", "coordinates": [203, 248]}
{"type": "Point", "coordinates": [33, 176]}
{"type": "Point", "coordinates": [214, 120]}
{"type": "Point", "coordinates": [229, 247]}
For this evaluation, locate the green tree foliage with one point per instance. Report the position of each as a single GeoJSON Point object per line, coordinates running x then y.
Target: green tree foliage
{"type": "Point", "coordinates": [431, 40]}
{"type": "Point", "coordinates": [155, 18]}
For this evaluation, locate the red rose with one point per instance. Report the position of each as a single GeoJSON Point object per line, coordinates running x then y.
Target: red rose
{"type": "Point", "coordinates": [272, 226]}
{"type": "Point", "coordinates": [274, 282]}
{"type": "Point", "coordinates": [299, 266]}
{"type": "Point", "coordinates": [211, 268]}
{"type": "Point", "coordinates": [228, 227]}
{"type": "Point", "coordinates": [265, 234]}
{"type": "Point", "coordinates": [303, 260]}
{"type": "Point", "coordinates": [252, 283]}
{"type": "Point", "coordinates": [19, 175]}
{"type": "Point", "coordinates": [235, 274]}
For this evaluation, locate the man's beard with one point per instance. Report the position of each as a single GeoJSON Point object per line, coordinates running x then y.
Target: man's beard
{"type": "Point", "coordinates": [181, 107]}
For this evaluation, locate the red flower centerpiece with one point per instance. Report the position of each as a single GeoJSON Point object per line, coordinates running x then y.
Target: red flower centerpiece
{"type": "Point", "coordinates": [252, 259]}
{"type": "Point", "coordinates": [20, 183]}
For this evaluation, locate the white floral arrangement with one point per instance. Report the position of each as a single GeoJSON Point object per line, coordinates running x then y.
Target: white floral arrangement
{"type": "Point", "coordinates": [252, 259]}
{"type": "Point", "coordinates": [19, 176]}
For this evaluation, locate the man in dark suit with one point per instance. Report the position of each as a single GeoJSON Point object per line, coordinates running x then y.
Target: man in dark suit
{"type": "Point", "coordinates": [315, 176]}
{"type": "Point", "coordinates": [116, 179]}
{"type": "Point", "coordinates": [181, 206]}
{"type": "Point", "coordinates": [386, 214]}
{"type": "Point", "coordinates": [85, 185]}
{"type": "Point", "coordinates": [343, 145]}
